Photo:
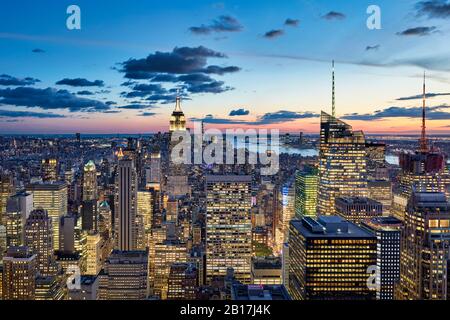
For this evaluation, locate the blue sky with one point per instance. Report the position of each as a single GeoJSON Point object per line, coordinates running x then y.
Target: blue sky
{"type": "Point", "coordinates": [281, 81]}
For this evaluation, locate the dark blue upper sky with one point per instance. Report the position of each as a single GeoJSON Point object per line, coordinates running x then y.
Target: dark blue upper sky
{"type": "Point", "coordinates": [269, 58]}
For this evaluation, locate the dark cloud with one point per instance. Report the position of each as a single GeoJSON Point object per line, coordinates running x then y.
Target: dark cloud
{"type": "Point", "coordinates": [373, 48]}
{"type": "Point", "coordinates": [49, 98]}
{"type": "Point", "coordinates": [136, 106]}
{"type": "Point", "coordinates": [239, 112]}
{"type": "Point", "coordinates": [7, 80]}
{"type": "Point", "coordinates": [420, 96]}
{"type": "Point", "coordinates": [221, 24]}
{"type": "Point", "coordinates": [273, 34]}
{"type": "Point", "coordinates": [184, 68]}
{"type": "Point", "coordinates": [220, 70]}
{"type": "Point", "coordinates": [164, 78]}
{"type": "Point", "coordinates": [281, 116]}
{"type": "Point", "coordinates": [180, 61]}
{"type": "Point", "coordinates": [433, 113]}
{"type": "Point", "coordinates": [291, 22]}
{"type": "Point", "coordinates": [162, 98]}
{"type": "Point", "coordinates": [85, 93]}
{"type": "Point", "coordinates": [418, 31]}
{"type": "Point", "coordinates": [334, 15]}
{"type": "Point", "coordinates": [28, 114]}
{"type": "Point", "coordinates": [37, 50]}
{"type": "Point", "coordinates": [144, 90]}
{"type": "Point", "coordinates": [80, 82]}
{"type": "Point", "coordinates": [147, 114]}
{"type": "Point", "coordinates": [208, 87]}
{"type": "Point", "coordinates": [285, 116]}
{"type": "Point", "coordinates": [212, 120]}
{"type": "Point", "coordinates": [434, 9]}
{"type": "Point", "coordinates": [112, 111]}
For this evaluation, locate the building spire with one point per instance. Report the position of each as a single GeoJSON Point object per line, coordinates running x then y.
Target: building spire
{"type": "Point", "coordinates": [333, 102]}
{"type": "Point", "coordinates": [178, 102]}
{"type": "Point", "coordinates": [423, 143]}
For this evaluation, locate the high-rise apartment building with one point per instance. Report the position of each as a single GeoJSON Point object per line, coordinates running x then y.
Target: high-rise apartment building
{"type": "Point", "coordinates": [228, 226]}
{"type": "Point", "coordinates": [329, 259]}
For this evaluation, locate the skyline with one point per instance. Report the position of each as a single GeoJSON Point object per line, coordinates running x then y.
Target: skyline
{"type": "Point", "coordinates": [237, 65]}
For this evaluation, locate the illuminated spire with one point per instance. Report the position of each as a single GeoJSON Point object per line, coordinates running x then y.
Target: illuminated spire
{"type": "Point", "coordinates": [333, 102]}
{"type": "Point", "coordinates": [423, 143]}
{"type": "Point", "coordinates": [178, 102]}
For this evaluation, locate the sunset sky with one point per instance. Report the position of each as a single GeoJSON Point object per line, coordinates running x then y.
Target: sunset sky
{"type": "Point", "coordinates": [236, 64]}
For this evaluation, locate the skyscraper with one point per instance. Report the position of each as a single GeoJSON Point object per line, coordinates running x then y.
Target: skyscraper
{"type": "Point", "coordinates": [177, 180]}
{"type": "Point", "coordinates": [18, 209]}
{"type": "Point", "coordinates": [6, 190]}
{"type": "Point", "coordinates": [422, 171]}
{"type": "Point", "coordinates": [126, 205]}
{"type": "Point", "coordinates": [19, 273]}
{"type": "Point", "coordinates": [145, 208]}
{"type": "Point", "coordinates": [356, 209]}
{"type": "Point", "coordinates": [387, 230]}
{"type": "Point", "coordinates": [425, 247]}
{"type": "Point", "coordinates": [329, 258]}
{"type": "Point", "coordinates": [89, 181]}
{"type": "Point", "coordinates": [182, 282]}
{"type": "Point", "coordinates": [124, 276]}
{"type": "Point", "coordinates": [49, 170]}
{"type": "Point", "coordinates": [162, 256]}
{"type": "Point", "coordinates": [342, 163]}
{"type": "Point", "coordinates": [105, 219]}
{"type": "Point", "coordinates": [89, 215]}
{"type": "Point", "coordinates": [93, 253]}
{"type": "Point", "coordinates": [39, 239]}
{"type": "Point", "coordinates": [306, 183]}
{"type": "Point", "coordinates": [153, 171]}
{"type": "Point", "coordinates": [381, 191]}
{"type": "Point", "coordinates": [177, 119]}
{"type": "Point", "coordinates": [51, 197]}
{"type": "Point", "coordinates": [285, 213]}
{"type": "Point", "coordinates": [228, 226]}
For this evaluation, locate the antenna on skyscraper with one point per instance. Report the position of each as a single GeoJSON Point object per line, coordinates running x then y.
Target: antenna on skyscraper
{"type": "Point", "coordinates": [178, 101]}
{"type": "Point", "coordinates": [333, 102]}
{"type": "Point", "coordinates": [423, 138]}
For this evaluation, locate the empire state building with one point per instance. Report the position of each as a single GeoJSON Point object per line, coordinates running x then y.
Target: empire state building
{"type": "Point", "coordinates": [177, 180]}
{"type": "Point", "coordinates": [177, 119]}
